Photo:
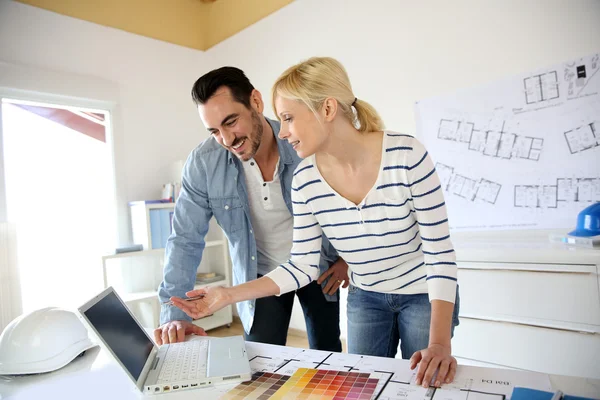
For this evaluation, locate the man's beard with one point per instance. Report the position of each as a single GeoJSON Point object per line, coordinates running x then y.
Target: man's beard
{"type": "Point", "coordinates": [257, 132]}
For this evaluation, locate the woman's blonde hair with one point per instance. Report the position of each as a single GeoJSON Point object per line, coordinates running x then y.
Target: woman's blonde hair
{"type": "Point", "coordinates": [318, 78]}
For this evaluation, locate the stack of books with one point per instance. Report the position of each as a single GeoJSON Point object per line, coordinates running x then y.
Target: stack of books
{"type": "Point", "coordinates": [161, 226]}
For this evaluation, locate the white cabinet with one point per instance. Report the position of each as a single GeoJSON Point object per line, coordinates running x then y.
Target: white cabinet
{"type": "Point", "coordinates": [528, 304]}
{"type": "Point", "coordinates": [137, 275]}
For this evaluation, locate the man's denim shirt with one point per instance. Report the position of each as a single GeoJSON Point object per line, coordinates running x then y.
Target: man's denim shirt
{"type": "Point", "coordinates": [213, 184]}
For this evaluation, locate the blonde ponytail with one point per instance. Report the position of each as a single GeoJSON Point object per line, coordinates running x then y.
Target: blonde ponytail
{"type": "Point", "coordinates": [367, 117]}
{"type": "Point", "coordinates": [318, 78]}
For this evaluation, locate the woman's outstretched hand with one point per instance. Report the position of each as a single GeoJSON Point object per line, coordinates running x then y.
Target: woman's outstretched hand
{"type": "Point", "coordinates": [213, 299]}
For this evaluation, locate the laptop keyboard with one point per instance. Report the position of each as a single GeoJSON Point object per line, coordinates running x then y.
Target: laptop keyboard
{"type": "Point", "coordinates": [184, 361]}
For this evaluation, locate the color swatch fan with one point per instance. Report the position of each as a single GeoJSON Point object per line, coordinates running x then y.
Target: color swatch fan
{"type": "Point", "coordinates": [262, 386]}
{"type": "Point", "coordinates": [306, 384]}
{"type": "Point", "coordinates": [325, 384]}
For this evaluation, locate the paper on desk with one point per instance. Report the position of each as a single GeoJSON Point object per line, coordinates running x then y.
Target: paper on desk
{"type": "Point", "coordinates": [396, 380]}
{"type": "Point", "coordinates": [496, 380]}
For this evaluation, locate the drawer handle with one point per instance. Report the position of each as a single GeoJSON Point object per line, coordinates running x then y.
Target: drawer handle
{"type": "Point", "coordinates": [548, 271]}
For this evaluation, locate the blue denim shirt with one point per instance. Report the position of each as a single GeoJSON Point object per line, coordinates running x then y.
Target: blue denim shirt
{"type": "Point", "coordinates": [213, 184]}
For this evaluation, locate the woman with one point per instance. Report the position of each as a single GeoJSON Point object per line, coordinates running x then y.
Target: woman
{"type": "Point", "coordinates": [376, 196]}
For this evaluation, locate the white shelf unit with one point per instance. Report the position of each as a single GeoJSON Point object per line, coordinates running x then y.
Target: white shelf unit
{"type": "Point", "coordinates": [136, 275]}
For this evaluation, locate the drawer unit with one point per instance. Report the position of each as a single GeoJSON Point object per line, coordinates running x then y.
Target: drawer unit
{"type": "Point", "coordinates": [527, 303]}
{"type": "Point", "coordinates": [558, 296]}
{"type": "Point", "coordinates": [547, 350]}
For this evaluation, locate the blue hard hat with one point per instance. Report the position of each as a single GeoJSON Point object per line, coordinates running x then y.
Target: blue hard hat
{"type": "Point", "coordinates": [588, 222]}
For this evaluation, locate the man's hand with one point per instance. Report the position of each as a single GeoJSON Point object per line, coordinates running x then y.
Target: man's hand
{"type": "Point", "coordinates": [338, 271]}
{"type": "Point", "coordinates": [175, 331]}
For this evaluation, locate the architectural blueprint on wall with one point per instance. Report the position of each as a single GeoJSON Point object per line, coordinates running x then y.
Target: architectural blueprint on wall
{"type": "Point", "coordinates": [519, 153]}
{"type": "Point", "coordinates": [396, 380]}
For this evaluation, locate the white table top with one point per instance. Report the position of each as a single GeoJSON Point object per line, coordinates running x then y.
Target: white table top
{"type": "Point", "coordinates": [96, 375]}
{"type": "Point", "coordinates": [532, 246]}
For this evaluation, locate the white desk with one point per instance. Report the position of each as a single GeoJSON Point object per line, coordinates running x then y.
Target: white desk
{"type": "Point", "coordinates": [96, 376]}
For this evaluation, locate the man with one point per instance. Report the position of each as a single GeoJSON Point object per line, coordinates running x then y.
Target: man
{"type": "Point", "coordinates": [243, 176]}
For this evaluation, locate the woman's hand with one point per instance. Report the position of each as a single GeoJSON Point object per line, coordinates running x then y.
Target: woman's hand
{"type": "Point", "coordinates": [429, 360]}
{"type": "Point", "coordinates": [215, 298]}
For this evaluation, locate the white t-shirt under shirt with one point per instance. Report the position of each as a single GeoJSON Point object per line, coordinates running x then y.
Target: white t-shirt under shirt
{"type": "Point", "coordinates": [395, 241]}
{"type": "Point", "coordinates": [272, 224]}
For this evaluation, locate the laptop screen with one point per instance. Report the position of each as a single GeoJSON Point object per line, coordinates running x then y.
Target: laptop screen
{"type": "Point", "coordinates": [121, 332]}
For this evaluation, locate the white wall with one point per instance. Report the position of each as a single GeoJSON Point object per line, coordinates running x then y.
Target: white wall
{"type": "Point", "coordinates": [397, 51]}
{"type": "Point", "coordinates": [147, 81]}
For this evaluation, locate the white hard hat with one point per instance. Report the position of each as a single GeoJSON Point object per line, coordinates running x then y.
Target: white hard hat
{"type": "Point", "coordinates": [42, 341]}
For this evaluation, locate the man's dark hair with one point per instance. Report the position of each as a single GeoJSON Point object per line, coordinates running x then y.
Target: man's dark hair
{"type": "Point", "coordinates": [234, 78]}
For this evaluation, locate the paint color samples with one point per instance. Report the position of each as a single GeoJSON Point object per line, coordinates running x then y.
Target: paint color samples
{"type": "Point", "coordinates": [262, 386]}
{"type": "Point", "coordinates": [325, 384]}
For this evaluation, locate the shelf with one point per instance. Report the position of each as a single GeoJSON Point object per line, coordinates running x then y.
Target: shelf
{"type": "Point", "coordinates": [199, 285]}
{"type": "Point", "coordinates": [220, 318]}
{"type": "Point", "coordinates": [214, 243]}
{"type": "Point", "coordinates": [134, 254]}
{"type": "Point", "coordinates": [211, 243]}
{"type": "Point", "coordinates": [139, 296]}
{"type": "Point", "coordinates": [138, 272]}
{"type": "Point", "coordinates": [151, 205]}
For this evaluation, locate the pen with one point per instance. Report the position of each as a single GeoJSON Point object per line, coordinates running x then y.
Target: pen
{"type": "Point", "coordinates": [170, 303]}
{"type": "Point", "coordinates": [558, 395]}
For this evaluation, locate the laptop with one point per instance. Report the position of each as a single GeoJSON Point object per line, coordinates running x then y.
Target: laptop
{"type": "Point", "coordinates": [193, 364]}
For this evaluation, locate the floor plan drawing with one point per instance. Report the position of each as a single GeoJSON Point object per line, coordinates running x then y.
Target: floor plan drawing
{"type": "Point", "coordinates": [583, 138]}
{"type": "Point", "coordinates": [536, 196]}
{"type": "Point", "coordinates": [490, 143]}
{"type": "Point", "coordinates": [578, 190]}
{"type": "Point", "coordinates": [467, 188]}
{"type": "Point", "coordinates": [526, 145]}
{"type": "Point", "coordinates": [565, 190]}
{"type": "Point", "coordinates": [541, 87]}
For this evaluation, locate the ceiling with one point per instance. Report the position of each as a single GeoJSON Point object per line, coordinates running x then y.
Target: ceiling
{"type": "Point", "coordinates": [197, 24]}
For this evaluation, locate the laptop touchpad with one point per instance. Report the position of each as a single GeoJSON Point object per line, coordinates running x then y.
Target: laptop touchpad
{"type": "Point", "coordinates": [227, 357]}
{"type": "Point", "coordinates": [235, 352]}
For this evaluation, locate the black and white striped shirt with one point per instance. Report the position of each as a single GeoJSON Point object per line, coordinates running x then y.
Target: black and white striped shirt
{"type": "Point", "coordinates": [395, 241]}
